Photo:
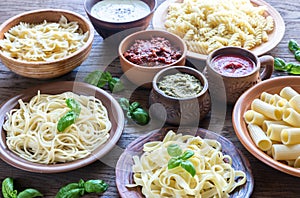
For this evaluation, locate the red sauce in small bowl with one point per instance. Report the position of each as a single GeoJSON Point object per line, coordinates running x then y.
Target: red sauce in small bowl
{"type": "Point", "coordinates": [233, 65]}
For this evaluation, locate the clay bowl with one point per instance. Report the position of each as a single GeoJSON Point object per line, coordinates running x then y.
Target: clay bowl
{"type": "Point", "coordinates": [49, 69]}
{"type": "Point", "coordinates": [180, 111]}
{"type": "Point", "coordinates": [106, 29]}
{"type": "Point", "coordinates": [115, 114]}
{"type": "Point", "coordinates": [143, 75]}
{"type": "Point", "coordinates": [124, 174]}
{"type": "Point", "coordinates": [273, 85]}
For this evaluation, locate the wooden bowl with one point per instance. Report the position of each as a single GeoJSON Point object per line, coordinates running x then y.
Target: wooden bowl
{"type": "Point", "coordinates": [115, 114]}
{"type": "Point", "coordinates": [273, 85]}
{"type": "Point", "coordinates": [124, 173]}
{"type": "Point", "coordinates": [106, 29]}
{"type": "Point", "coordinates": [180, 111]}
{"type": "Point", "coordinates": [51, 69]}
{"type": "Point", "coordinates": [143, 75]}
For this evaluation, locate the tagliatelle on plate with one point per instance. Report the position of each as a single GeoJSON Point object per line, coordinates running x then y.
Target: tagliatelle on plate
{"type": "Point", "coordinates": [47, 41]}
{"type": "Point", "coordinates": [215, 176]}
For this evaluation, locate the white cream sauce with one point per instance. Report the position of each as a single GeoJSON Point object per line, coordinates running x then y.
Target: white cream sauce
{"type": "Point", "coordinates": [118, 11]}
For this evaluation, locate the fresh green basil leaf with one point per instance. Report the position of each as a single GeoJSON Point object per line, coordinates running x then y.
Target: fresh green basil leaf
{"type": "Point", "coordinates": [94, 77]}
{"type": "Point", "coordinates": [293, 46]}
{"type": "Point", "coordinates": [95, 186]}
{"type": "Point", "coordinates": [8, 188]}
{"type": "Point", "coordinates": [72, 193]}
{"type": "Point", "coordinates": [174, 150]}
{"type": "Point", "coordinates": [133, 106]}
{"type": "Point", "coordinates": [187, 154]}
{"type": "Point", "coordinates": [65, 189]}
{"type": "Point", "coordinates": [67, 120]}
{"type": "Point", "coordinates": [174, 162]}
{"type": "Point", "coordinates": [73, 105]}
{"type": "Point", "coordinates": [29, 193]}
{"type": "Point", "coordinates": [106, 76]}
{"type": "Point", "coordinates": [297, 55]}
{"type": "Point", "coordinates": [124, 103]}
{"type": "Point", "coordinates": [140, 116]}
{"type": "Point", "coordinates": [115, 85]}
{"type": "Point", "coordinates": [189, 167]}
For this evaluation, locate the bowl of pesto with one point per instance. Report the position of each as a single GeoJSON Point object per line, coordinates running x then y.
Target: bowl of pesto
{"type": "Point", "coordinates": [180, 95]}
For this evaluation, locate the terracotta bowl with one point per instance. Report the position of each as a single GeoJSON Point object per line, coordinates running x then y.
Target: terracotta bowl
{"type": "Point", "coordinates": [273, 85]}
{"type": "Point", "coordinates": [50, 69]}
{"type": "Point", "coordinates": [180, 111]}
{"type": "Point", "coordinates": [106, 29]}
{"type": "Point", "coordinates": [143, 75]}
{"type": "Point", "coordinates": [115, 113]}
{"type": "Point", "coordinates": [124, 174]}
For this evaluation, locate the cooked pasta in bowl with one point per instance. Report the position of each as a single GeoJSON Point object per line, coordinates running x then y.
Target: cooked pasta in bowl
{"type": "Point", "coordinates": [59, 127]}
{"type": "Point", "coordinates": [45, 43]}
{"type": "Point", "coordinates": [186, 162]}
{"type": "Point", "coordinates": [266, 121]}
{"type": "Point", "coordinates": [209, 25]}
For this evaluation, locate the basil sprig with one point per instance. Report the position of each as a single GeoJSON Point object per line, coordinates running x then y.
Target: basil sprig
{"type": "Point", "coordinates": [8, 190]}
{"type": "Point", "coordinates": [76, 190]}
{"type": "Point", "coordinates": [70, 117]}
{"type": "Point", "coordinates": [100, 79]}
{"type": "Point", "coordinates": [180, 159]}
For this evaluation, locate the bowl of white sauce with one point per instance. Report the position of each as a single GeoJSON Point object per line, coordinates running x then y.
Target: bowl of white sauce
{"type": "Point", "coordinates": [112, 16]}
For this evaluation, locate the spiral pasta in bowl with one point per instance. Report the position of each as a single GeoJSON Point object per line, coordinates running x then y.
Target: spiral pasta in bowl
{"type": "Point", "coordinates": [185, 162]}
{"type": "Point", "coordinates": [209, 25]}
{"type": "Point", "coordinates": [266, 121]}
{"type": "Point", "coordinates": [59, 127]}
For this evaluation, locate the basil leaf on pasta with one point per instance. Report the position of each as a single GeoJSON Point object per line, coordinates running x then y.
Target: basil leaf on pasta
{"type": "Point", "coordinates": [174, 150]}
{"type": "Point", "coordinates": [189, 167]}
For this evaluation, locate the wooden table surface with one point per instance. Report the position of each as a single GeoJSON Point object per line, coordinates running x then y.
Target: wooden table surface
{"type": "Point", "coordinates": [268, 181]}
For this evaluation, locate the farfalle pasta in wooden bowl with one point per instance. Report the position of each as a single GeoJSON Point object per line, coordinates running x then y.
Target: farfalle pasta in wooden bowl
{"type": "Point", "coordinates": [266, 120]}
{"type": "Point", "coordinates": [209, 25]}
{"type": "Point", "coordinates": [185, 162]}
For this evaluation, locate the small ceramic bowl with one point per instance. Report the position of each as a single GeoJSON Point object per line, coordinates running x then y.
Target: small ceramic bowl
{"type": "Point", "coordinates": [106, 29]}
{"type": "Point", "coordinates": [143, 75]}
{"type": "Point", "coordinates": [180, 111]}
{"type": "Point", "coordinates": [115, 114]}
{"type": "Point", "coordinates": [272, 86]}
{"type": "Point", "coordinates": [49, 69]}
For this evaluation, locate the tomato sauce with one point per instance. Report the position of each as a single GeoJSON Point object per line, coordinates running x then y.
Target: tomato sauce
{"type": "Point", "coordinates": [233, 65]}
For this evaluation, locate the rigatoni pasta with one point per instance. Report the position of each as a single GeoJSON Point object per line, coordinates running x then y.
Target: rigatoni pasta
{"type": "Point", "coordinates": [280, 127]}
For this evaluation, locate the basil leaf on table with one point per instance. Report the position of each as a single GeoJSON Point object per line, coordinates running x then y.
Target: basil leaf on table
{"type": "Point", "coordinates": [95, 186]}
{"type": "Point", "coordinates": [8, 188]}
{"type": "Point", "coordinates": [115, 85]}
{"type": "Point", "coordinates": [293, 46]}
{"type": "Point", "coordinates": [29, 193]}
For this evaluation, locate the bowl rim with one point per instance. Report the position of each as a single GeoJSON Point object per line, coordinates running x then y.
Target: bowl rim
{"type": "Point", "coordinates": [118, 23]}
{"type": "Point", "coordinates": [14, 160]}
{"type": "Point", "coordinates": [18, 17]}
{"type": "Point", "coordinates": [244, 137]}
{"type": "Point", "coordinates": [179, 68]}
{"type": "Point", "coordinates": [132, 37]}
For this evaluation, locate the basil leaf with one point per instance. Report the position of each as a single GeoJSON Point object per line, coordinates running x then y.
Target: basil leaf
{"type": "Point", "coordinates": [124, 103]}
{"type": "Point", "coordinates": [93, 78]}
{"type": "Point", "coordinates": [134, 106]}
{"type": "Point", "coordinates": [106, 76]}
{"type": "Point", "coordinates": [189, 167]}
{"type": "Point", "coordinates": [64, 190]}
{"type": "Point", "coordinates": [293, 46]}
{"type": "Point", "coordinates": [174, 150]}
{"type": "Point", "coordinates": [67, 120]}
{"type": "Point", "coordinates": [8, 188]}
{"type": "Point", "coordinates": [187, 154]}
{"type": "Point", "coordinates": [95, 186]}
{"type": "Point", "coordinates": [174, 162]}
{"type": "Point", "coordinates": [29, 193]}
{"type": "Point", "coordinates": [73, 105]}
{"type": "Point", "coordinates": [297, 55]}
{"type": "Point", "coordinates": [73, 193]}
{"type": "Point", "coordinates": [115, 85]}
{"type": "Point", "coordinates": [140, 116]}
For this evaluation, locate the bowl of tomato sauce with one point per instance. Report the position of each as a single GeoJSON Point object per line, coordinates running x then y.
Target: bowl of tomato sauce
{"type": "Point", "coordinates": [144, 53]}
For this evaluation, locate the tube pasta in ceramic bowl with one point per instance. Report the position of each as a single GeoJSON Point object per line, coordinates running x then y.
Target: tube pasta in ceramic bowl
{"type": "Point", "coordinates": [266, 120]}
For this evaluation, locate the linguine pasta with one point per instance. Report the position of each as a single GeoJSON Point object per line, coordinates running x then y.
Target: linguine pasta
{"type": "Point", "coordinates": [215, 177]}
{"type": "Point", "coordinates": [31, 130]}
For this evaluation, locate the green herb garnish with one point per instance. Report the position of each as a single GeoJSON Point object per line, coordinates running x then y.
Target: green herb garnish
{"type": "Point", "coordinates": [100, 79]}
{"type": "Point", "coordinates": [69, 118]}
{"type": "Point", "coordinates": [180, 159]}
{"type": "Point", "coordinates": [134, 111]}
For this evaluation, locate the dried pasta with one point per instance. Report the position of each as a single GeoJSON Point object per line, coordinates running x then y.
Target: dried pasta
{"type": "Point", "coordinates": [44, 42]}
{"type": "Point", "coordinates": [280, 125]}
{"type": "Point", "coordinates": [215, 177]}
{"type": "Point", "coordinates": [209, 25]}
{"type": "Point", "coordinates": [31, 130]}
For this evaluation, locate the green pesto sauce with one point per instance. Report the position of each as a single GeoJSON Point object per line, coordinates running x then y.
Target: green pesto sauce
{"type": "Point", "coordinates": [180, 85]}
